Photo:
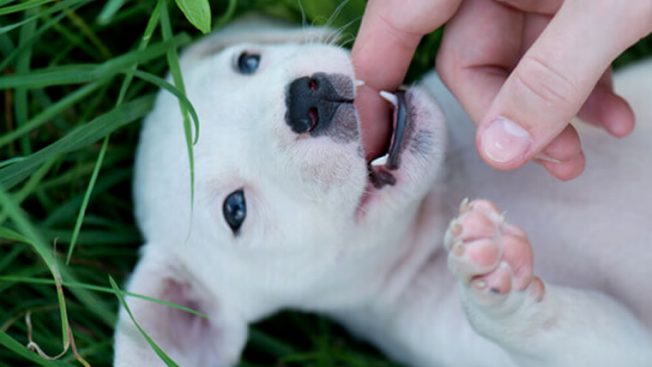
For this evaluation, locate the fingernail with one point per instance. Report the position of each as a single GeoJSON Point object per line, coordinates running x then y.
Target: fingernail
{"type": "Point", "coordinates": [504, 141]}
{"type": "Point", "coordinates": [547, 158]}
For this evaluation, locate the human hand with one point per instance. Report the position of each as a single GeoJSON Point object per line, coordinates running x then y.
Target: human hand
{"type": "Point", "coordinates": [523, 69]}
{"type": "Point", "coordinates": [388, 36]}
{"type": "Point", "coordinates": [483, 60]}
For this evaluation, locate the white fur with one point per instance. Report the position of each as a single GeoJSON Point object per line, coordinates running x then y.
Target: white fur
{"type": "Point", "coordinates": [381, 272]}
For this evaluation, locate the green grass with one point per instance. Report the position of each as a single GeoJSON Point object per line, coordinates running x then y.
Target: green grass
{"type": "Point", "coordinates": [77, 77]}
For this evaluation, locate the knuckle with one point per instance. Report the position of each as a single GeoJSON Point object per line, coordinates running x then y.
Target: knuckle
{"type": "Point", "coordinates": [546, 83]}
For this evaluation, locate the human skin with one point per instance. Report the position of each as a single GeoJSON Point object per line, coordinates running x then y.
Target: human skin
{"type": "Point", "coordinates": [521, 69]}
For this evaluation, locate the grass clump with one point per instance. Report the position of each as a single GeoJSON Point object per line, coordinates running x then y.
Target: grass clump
{"type": "Point", "coordinates": [77, 77]}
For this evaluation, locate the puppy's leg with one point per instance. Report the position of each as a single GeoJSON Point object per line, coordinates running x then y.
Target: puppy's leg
{"type": "Point", "coordinates": [536, 325]}
{"type": "Point", "coordinates": [213, 340]}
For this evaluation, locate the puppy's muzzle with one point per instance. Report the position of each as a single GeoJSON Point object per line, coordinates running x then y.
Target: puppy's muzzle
{"type": "Point", "coordinates": [315, 104]}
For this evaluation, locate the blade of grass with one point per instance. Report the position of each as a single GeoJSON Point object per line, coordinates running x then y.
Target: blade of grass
{"type": "Point", "coordinates": [162, 83]}
{"type": "Point", "coordinates": [116, 237]}
{"type": "Point", "coordinates": [100, 289]}
{"type": "Point", "coordinates": [80, 73]}
{"type": "Point", "coordinates": [11, 344]}
{"type": "Point", "coordinates": [147, 35]}
{"type": "Point", "coordinates": [25, 5]}
{"type": "Point", "coordinates": [80, 217]}
{"type": "Point", "coordinates": [109, 10]}
{"type": "Point", "coordinates": [9, 256]}
{"type": "Point", "coordinates": [159, 352]}
{"type": "Point", "coordinates": [22, 67]}
{"type": "Point", "coordinates": [149, 29]}
{"type": "Point", "coordinates": [59, 6]}
{"type": "Point", "coordinates": [62, 105]}
{"type": "Point", "coordinates": [80, 23]}
{"type": "Point", "coordinates": [228, 14]}
{"type": "Point", "coordinates": [30, 185]}
{"type": "Point", "coordinates": [67, 209]}
{"type": "Point", "coordinates": [77, 138]}
{"type": "Point", "coordinates": [38, 245]}
{"type": "Point", "coordinates": [87, 197]}
{"type": "Point", "coordinates": [117, 155]}
{"type": "Point", "coordinates": [269, 344]}
{"type": "Point", "coordinates": [6, 45]}
{"type": "Point", "coordinates": [198, 13]}
{"type": "Point", "coordinates": [177, 77]}
{"type": "Point", "coordinates": [74, 40]}
{"type": "Point", "coordinates": [175, 70]}
{"type": "Point", "coordinates": [15, 51]}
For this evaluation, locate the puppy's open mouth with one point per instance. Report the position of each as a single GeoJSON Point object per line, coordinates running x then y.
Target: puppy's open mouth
{"type": "Point", "coordinates": [383, 168]}
{"type": "Point", "coordinates": [380, 168]}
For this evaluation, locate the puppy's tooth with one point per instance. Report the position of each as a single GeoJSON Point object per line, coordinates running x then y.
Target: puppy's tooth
{"type": "Point", "coordinates": [380, 161]}
{"type": "Point", "coordinates": [479, 284]}
{"type": "Point", "coordinates": [389, 97]}
{"type": "Point", "coordinates": [358, 83]}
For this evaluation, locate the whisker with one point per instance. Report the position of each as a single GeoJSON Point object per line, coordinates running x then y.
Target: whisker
{"type": "Point", "coordinates": [344, 28]}
{"type": "Point", "coordinates": [336, 13]}
{"type": "Point", "coordinates": [303, 15]}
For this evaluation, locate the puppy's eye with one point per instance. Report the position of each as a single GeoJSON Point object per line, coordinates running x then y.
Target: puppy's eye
{"type": "Point", "coordinates": [248, 62]}
{"type": "Point", "coordinates": [234, 209]}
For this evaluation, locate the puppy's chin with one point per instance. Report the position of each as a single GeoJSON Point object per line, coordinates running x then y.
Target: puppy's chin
{"type": "Point", "coordinates": [400, 179]}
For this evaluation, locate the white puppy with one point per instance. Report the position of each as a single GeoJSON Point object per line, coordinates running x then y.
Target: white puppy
{"type": "Point", "coordinates": [288, 214]}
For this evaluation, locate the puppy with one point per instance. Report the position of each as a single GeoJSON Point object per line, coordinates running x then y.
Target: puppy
{"type": "Point", "coordinates": [288, 214]}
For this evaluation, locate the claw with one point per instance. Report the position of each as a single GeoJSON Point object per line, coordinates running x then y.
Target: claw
{"type": "Point", "coordinates": [455, 227]}
{"type": "Point", "coordinates": [465, 206]}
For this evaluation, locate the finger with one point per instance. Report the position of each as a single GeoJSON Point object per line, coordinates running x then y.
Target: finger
{"type": "Point", "coordinates": [566, 170]}
{"type": "Point", "coordinates": [563, 157]}
{"type": "Point", "coordinates": [606, 109]}
{"type": "Point", "coordinates": [374, 125]}
{"type": "Point", "coordinates": [481, 44]}
{"type": "Point", "coordinates": [389, 34]}
{"type": "Point", "coordinates": [549, 85]}
{"type": "Point", "coordinates": [547, 7]}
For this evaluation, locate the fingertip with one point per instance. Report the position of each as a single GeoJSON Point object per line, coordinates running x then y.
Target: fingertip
{"type": "Point", "coordinates": [619, 117]}
{"type": "Point", "coordinates": [503, 144]}
{"type": "Point", "coordinates": [563, 158]}
{"type": "Point", "coordinates": [608, 110]}
{"type": "Point", "coordinates": [372, 112]}
{"type": "Point", "coordinates": [565, 146]}
{"type": "Point", "coordinates": [566, 170]}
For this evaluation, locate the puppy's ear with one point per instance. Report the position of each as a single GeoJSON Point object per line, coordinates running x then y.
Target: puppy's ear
{"type": "Point", "coordinates": [189, 339]}
{"type": "Point", "coordinates": [258, 29]}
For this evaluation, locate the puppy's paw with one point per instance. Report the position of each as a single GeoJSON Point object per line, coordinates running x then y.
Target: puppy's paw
{"type": "Point", "coordinates": [491, 258]}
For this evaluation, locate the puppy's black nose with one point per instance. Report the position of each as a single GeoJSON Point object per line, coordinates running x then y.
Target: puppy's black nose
{"type": "Point", "coordinates": [312, 102]}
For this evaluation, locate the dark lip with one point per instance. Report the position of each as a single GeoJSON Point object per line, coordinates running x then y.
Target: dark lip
{"type": "Point", "coordinates": [379, 176]}
{"type": "Point", "coordinates": [399, 122]}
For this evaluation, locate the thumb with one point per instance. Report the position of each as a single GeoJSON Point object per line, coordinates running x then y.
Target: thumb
{"type": "Point", "coordinates": [551, 83]}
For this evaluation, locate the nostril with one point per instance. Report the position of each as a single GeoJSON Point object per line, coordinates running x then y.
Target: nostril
{"type": "Point", "coordinates": [311, 103]}
{"type": "Point", "coordinates": [313, 84]}
{"type": "Point", "coordinates": [313, 114]}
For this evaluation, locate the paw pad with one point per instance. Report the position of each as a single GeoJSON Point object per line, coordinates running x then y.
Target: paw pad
{"type": "Point", "coordinates": [491, 257]}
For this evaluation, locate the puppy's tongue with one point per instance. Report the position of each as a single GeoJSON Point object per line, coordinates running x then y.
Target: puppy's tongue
{"type": "Point", "coordinates": [375, 121]}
